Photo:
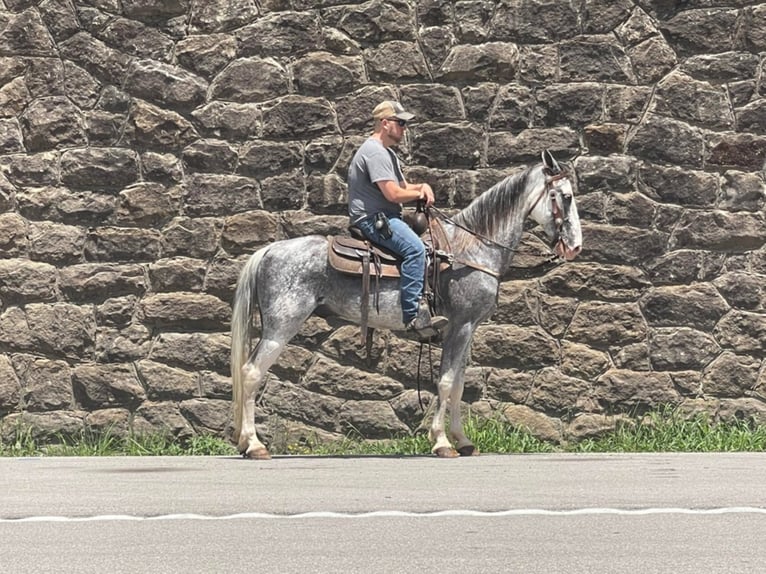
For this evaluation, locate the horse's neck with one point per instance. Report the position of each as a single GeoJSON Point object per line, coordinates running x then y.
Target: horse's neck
{"type": "Point", "coordinates": [504, 238]}
{"type": "Point", "coordinates": [495, 254]}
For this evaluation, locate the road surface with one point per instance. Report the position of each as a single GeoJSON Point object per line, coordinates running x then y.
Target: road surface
{"type": "Point", "coordinates": [627, 513]}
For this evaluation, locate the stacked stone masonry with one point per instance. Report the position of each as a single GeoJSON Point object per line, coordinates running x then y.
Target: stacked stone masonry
{"type": "Point", "coordinates": [147, 147]}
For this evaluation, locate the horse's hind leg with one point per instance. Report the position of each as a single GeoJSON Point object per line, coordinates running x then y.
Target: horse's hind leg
{"type": "Point", "coordinates": [253, 374]}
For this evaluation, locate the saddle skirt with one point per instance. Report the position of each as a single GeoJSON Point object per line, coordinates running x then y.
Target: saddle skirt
{"type": "Point", "coordinates": [349, 255]}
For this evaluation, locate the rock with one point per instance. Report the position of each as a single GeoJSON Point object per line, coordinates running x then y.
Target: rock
{"type": "Point", "coordinates": [105, 63]}
{"type": "Point", "coordinates": [297, 116]}
{"type": "Point", "coordinates": [251, 80]}
{"type": "Point", "coordinates": [493, 61]}
{"type": "Point", "coordinates": [693, 101]}
{"type": "Point", "coordinates": [10, 387]}
{"type": "Point", "coordinates": [207, 416]}
{"type": "Point", "coordinates": [107, 386]}
{"type": "Point", "coordinates": [52, 122]}
{"type": "Point", "coordinates": [605, 282]}
{"type": "Point", "coordinates": [25, 33]}
{"type": "Point", "coordinates": [730, 375]}
{"type": "Point", "coordinates": [281, 34]}
{"type": "Point", "coordinates": [370, 419]}
{"type": "Point", "coordinates": [91, 281]}
{"type": "Point", "coordinates": [137, 39]}
{"type": "Point", "coordinates": [699, 306]}
{"type": "Point", "coordinates": [681, 349]}
{"type": "Point", "coordinates": [248, 231]}
{"type": "Point", "coordinates": [46, 384]}
{"type": "Point", "coordinates": [695, 31]}
{"type": "Point", "coordinates": [154, 127]}
{"type": "Point", "coordinates": [163, 418]}
{"type": "Point", "coordinates": [555, 392]}
{"type": "Point", "coordinates": [742, 332]}
{"type": "Point", "coordinates": [594, 59]}
{"type": "Point", "coordinates": [665, 140]}
{"type": "Point", "coordinates": [177, 274]}
{"type": "Point", "coordinates": [191, 237]}
{"type": "Point", "coordinates": [323, 74]}
{"type": "Point", "coordinates": [630, 389]}
{"type": "Point", "coordinates": [25, 281]}
{"type": "Point", "coordinates": [514, 347]}
{"type": "Point", "coordinates": [103, 169]}
{"type": "Point", "coordinates": [463, 148]}
{"type": "Point", "coordinates": [540, 426]}
{"type": "Point", "coordinates": [211, 156]}
{"type": "Point", "coordinates": [175, 309]}
{"type": "Point", "coordinates": [602, 325]}
{"type": "Point", "coordinates": [229, 120]}
{"type": "Point", "coordinates": [122, 244]}
{"type": "Point", "coordinates": [166, 383]}
{"type": "Point", "coordinates": [193, 351]}
{"type": "Point", "coordinates": [219, 15]}
{"type": "Point", "coordinates": [165, 84]}
{"type": "Point", "coordinates": [206, 55]}
{"type": "Point", "coordinates": [720, 231]}
{"type": "Point", "coordinates": [215, 195]}
{"type": "Point", "coordinates": [330, 379]}
{"type": "Point", "coordinates": [678, 186]}
{"type": "Point", "coordinates": [539, 22]}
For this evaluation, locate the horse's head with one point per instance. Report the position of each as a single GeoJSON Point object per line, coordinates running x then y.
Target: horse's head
{"type": "Point", "coordinates": [556, 211]}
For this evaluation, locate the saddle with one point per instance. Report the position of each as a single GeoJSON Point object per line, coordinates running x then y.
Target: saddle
{"type": "Point", "coordinates": [356, 255]}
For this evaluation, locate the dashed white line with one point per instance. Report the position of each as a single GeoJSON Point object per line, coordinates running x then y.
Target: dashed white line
{"type": "Point", "coordinates": [519, 512]}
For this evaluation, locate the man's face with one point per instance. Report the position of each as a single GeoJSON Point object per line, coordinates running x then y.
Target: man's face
{"type": "Point", "coordinates": [394, 128]}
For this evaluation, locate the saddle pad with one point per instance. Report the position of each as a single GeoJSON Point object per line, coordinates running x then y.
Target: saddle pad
{"type": "Point", "coordinates": [345, 255]}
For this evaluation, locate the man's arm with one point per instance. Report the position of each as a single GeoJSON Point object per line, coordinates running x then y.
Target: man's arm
{"type": "Point", "coordinates": [403, 192]}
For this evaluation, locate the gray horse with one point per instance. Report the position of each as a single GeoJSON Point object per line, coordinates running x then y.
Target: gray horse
{"type": "Point", "coordinates": [290, 280]}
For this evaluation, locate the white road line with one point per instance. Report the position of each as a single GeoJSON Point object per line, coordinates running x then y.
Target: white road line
{"type": "Point", "coordinates": [401, 514]}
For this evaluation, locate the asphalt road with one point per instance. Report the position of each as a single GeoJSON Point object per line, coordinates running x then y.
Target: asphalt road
{"type": "Point", "coordinates": [523, 513]}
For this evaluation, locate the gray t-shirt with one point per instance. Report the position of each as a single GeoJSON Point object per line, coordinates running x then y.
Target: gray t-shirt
{"type": "Point", "coordinates": [371, 163]}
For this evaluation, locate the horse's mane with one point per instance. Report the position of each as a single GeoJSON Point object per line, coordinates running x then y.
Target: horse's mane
{"type": "Point", "coordinates": [490, 213]}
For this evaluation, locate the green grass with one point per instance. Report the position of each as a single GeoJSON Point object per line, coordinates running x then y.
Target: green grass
{"type": "Point", "coordinates": [23, 444]}
{"type": "Point", "coordinates": [667, 432]}
{"type": "Point", "coordinates": [663, 431]}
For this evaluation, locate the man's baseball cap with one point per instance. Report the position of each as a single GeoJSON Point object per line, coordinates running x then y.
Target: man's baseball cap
{"type": "Point", "coordinates": [391, 109]}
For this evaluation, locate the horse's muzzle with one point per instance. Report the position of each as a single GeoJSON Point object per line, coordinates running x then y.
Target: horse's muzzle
{"type": "Point", "coordinates": [566, 252]}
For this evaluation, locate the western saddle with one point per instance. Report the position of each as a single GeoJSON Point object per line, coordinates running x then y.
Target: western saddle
{"type": "Point", "coordinates": [356, 255]}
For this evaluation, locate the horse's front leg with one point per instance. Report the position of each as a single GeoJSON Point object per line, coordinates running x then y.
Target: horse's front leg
{"type": "Point", "coordinates": [463, 444]}
{"type": "Point", "coordinates": [450, 391]}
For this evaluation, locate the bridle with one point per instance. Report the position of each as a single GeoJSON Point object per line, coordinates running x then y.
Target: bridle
{"type": "Point", "coordinates": [559, 219]}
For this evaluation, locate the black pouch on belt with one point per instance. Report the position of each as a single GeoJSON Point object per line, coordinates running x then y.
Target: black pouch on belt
{"type": "Point", "coordinates": [382, 225]}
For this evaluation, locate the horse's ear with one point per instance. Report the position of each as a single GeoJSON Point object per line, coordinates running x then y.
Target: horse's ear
{"type": "Point", "coordinates": [550, 163]}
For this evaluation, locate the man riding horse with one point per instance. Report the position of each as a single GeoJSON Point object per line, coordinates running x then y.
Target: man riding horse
{"type": "Point", "coordinates": [376, 190]}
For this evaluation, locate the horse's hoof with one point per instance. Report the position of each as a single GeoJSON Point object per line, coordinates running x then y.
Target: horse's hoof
{"type": "Point", "coordinates": [257, 454]}
{"type": "Point", "coordinates": [468, 450]}
{"type": "Point", "coordinates": [446, 452]}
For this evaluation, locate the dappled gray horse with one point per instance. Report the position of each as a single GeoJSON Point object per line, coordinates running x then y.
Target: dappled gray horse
{"type": "Point", "coordinates": [290, 280]}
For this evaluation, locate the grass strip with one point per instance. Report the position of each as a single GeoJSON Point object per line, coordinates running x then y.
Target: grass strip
{"type": "Point", "coordinates": [662, 431]}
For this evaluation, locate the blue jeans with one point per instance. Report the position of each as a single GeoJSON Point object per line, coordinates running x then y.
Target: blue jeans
{"type": "Point", "coordinates": [405, 243]}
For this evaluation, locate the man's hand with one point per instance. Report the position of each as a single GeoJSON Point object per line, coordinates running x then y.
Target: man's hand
{"type": "Point", "coordinates": [427, 194]}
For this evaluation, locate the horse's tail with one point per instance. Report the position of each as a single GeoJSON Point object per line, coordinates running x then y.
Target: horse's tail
{"type": "Point", "coordinates": [244, 302]}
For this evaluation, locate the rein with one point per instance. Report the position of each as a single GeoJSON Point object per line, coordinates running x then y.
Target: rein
{"type": "Point", "coordinates": [557, 217]}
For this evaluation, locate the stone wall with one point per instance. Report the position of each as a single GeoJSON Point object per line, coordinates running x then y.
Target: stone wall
{"type": "Point", "coordinates": [148, 146]}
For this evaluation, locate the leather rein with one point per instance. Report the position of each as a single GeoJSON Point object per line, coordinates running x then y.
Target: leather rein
{"type": "Point", "coordinates": [558, 219]}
